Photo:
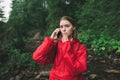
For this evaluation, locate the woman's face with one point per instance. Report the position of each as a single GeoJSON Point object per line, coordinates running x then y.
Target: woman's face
{"type": "Point", "coordinates": [66, 28]}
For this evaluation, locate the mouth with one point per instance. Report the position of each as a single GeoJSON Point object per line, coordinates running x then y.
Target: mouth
{"type": "Point", "coordinates": [64, 32]}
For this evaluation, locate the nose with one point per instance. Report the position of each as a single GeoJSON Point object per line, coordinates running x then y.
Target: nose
{"type": "Point", "coordinates": [64, 29]}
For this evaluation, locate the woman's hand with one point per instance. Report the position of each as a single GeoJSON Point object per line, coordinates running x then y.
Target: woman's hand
{"type": "Point", "coordinates": [55, 32]}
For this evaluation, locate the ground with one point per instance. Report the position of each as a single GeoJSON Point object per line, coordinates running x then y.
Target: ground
{"type": "Point", "coordinates": [99, 68]}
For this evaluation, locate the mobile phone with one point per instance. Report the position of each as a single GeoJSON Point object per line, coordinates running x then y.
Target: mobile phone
{"type": "Point", "coordinates": [58, 34]}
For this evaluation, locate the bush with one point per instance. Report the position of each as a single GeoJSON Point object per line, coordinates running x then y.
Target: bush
{"type": "Point", "coordinates": [100, 45]}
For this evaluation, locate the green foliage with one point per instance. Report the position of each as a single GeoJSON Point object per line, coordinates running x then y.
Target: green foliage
{"type": "Point", "coordinates": [19, 60]}
{"type": "Point", "coordinates": [2, 28]}
{"type": "Point", "coordinates": [99, 25]}
{"type": "Point", "coordinates": [97, 20]}
{"type": "Point", "coordinates": [103, 45]}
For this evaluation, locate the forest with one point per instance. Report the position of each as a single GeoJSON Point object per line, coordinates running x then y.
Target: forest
{"type": "Point", "coordinates": [30, 21]}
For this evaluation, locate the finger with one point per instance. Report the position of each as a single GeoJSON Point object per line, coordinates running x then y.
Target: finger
{"type": "Point", "coordinates": [58, 29]}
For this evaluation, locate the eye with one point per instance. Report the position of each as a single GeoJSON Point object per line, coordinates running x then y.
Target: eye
{"type": "Point", "coordinates": [67, 25]}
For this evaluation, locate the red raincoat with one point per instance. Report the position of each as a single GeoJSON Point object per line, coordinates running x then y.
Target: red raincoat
{"type": "Point", "coordinates": [68, 58]}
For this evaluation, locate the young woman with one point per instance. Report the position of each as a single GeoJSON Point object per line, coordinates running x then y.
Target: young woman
{"type": "Point", "coordinates": [66, 53]}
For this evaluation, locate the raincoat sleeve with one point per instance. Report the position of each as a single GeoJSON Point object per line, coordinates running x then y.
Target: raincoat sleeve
{"type": "Point", "coordinates": [45, 53]}
{"type": "Point", "coordinates": [77, 60]}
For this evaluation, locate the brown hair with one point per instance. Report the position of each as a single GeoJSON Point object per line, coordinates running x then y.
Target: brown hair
{"type": "Point", "coordinates": [72, 21]}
